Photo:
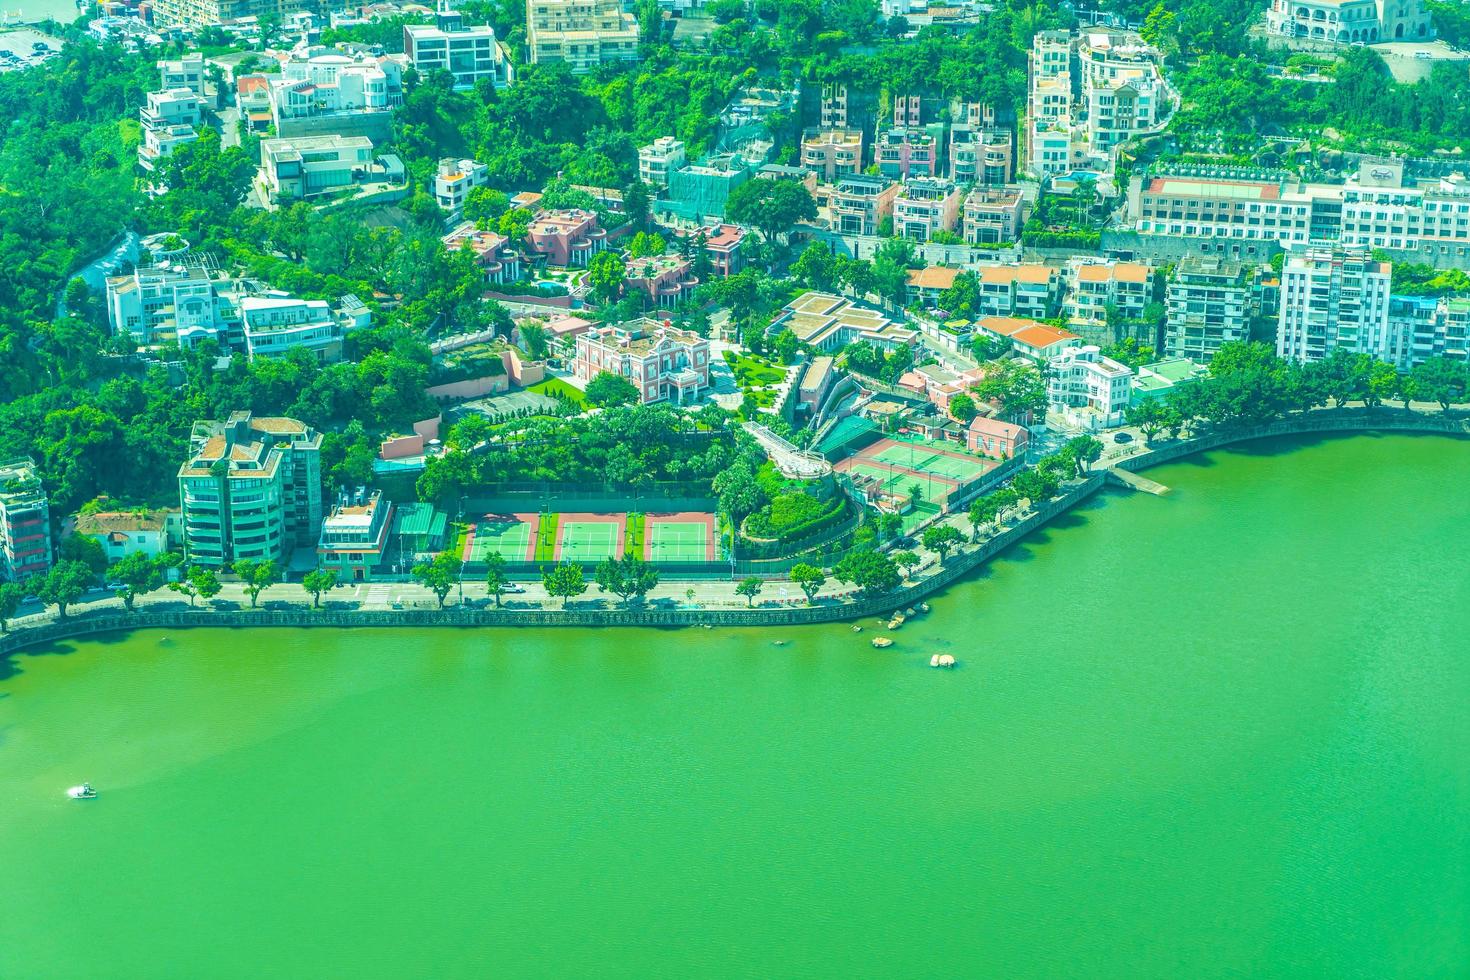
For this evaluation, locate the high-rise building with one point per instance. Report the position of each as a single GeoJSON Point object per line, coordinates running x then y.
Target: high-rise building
{"type": "Point", "coordinates": [1208, 303]}
{"type": "Point", "coordinates": [1335, 298]}
{"type": "Point", "coordinates": [25, 521]}
{"type": "Point", "coordinates": [582, 33]}
{"type": "Point", "coordinates": [251, 488]}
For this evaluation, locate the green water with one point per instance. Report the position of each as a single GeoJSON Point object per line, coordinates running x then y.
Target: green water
{"type": "Point", "coordinates": [1219, 733]}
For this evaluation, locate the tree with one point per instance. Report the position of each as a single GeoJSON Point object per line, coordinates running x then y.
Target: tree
{"type": "Point", "coordinates": [256, 576]}
{"type": "Point", "coordinates": [809, 579]}
{"type": "Point", "coordinates": [962, 408]}
{"type": "Point", "coordinates": [1037, 486]}
{"type": "Point", "coordinates": [962, 298]}
{"type": "Point", "coordinates": [905, 560]}
{"type": "Point", "coordinates": [565, 580]}
{"type": "Point", "coordinates": [1440, 380]}
{"type": "Point", "coordinates": [1147, 417]}
{"type": "Point", "coordinates": [495, 577]}
{"type": "Point", "coordinates": [629, 577]}
{"type": "Point", "coordinates": [772, 206]}
{"type": "Point", "coordinates": [873, 572]}
{"type": "Point", "coordinates": [533, 336]}
{"type": "Point", "coordinates": [64, 584]}
{"type": "Point", "coordinates": [317, 582]}
{"type": "Point", "coordinates": [606, 272]}
{"type": "Point", "coordinates": [439, 575]}
{"type": "Point", "coordinates": [1084, 451]}
{"type": "Point", "coordinates": [816, 267]}
{"type": "Point", "coordinates": [982, 511]}
{"type": "Point", "coordinates": [12, 594]}
{"type": "Point", "coordinates": [940, 538]}
{"type": "Point", "coordinates": [738, 491]}
{"type": "Point", "coordinates": [138, 574]}
{"type": "Point", "coordinates": [85, 549]}
{"type": "Point", "coordinates": [750, 588]}
{"type": "Point", "coordinates": [197, 582]}
{"type": "Point", "coordinates": [607, 389]}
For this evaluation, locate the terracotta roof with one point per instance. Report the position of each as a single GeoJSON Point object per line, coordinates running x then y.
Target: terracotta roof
{"type": "Point", "coordinates": [1016, 273]}
{"type": "Point", "coordinates": [934, 277]}
{"type": "Point", "coordinates": [1117, 271]}
{"type": "Point", "coordinates": [1006, 326]}
{"type": "Point", "coordinates": [1039, 336]}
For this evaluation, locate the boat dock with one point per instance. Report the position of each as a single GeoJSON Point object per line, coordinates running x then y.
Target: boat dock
{"type": "Point", "coordinates": [1135, 482]}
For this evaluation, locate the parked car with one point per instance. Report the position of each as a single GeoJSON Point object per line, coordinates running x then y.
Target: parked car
{"type": "Point", "coordinates": [1123, 437]}
{"type": "Point", "coordinates": [513, 589]}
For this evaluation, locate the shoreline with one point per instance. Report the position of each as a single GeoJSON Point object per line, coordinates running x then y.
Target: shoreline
{"type": "Point", "coordinates": [960, 564]}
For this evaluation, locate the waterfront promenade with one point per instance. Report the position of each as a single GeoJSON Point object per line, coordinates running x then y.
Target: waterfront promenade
{"type": "Point", "coordinates": [780, 603]}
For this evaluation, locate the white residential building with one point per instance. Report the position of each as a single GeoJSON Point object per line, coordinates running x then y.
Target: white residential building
{"type": "Point", "coordinates": [169, 120]}
{"type": "Point", "coordinates": [275, 324]}
{"type": "Point", "coordinates": [187, 72]}
{"type": "Point", "coordinates": [582, 33]}
{"type": "Point", "coordinates": [659, 159]}
{"type": "Point", "coordinates": [1122, 86]}
{"type": "Point", "coordinates": [321, 91]}
{"type": "Point", "coordinates": [454, 181]}
{"type": "Point", "coordinates": [1087, 389]}
{"type": "Point", "coordinates": [470, 54]}
{"type": "Point", "coordinates": [122, 532]}
{"type": "Point", "coordinates": [301, 167]}
{"type": "Point", "coordinates": [1335, 298]}
{"type": "Point", "coordinates": [179, 302]}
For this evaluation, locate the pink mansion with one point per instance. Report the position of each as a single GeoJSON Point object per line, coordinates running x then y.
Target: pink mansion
{"type": "Point", "coordinates": [661, 361]}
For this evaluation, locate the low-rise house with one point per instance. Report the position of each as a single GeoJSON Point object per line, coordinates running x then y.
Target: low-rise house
{"type": "Point", "coordinates": [275, 324]}
{"type": "Point", "coordinates": [926, 285]}
{"type": "Point", "coordinates": [722, 243]}
{"type": "Point", "coordinates": [1027, 337]}
{"type": "Point", "coordinates": [1097, 287]}
{"type": "Point", "coordinates": [185, 72]}
{"type": "Point", "coordinates": [662, 362]}
{"type": "Point", "coordinates": [183, 301]}
{"type": "Point", "coordinates": [926, 206]}
{"type": "Point", "coordinates": [253, 102]}
{"type": "Point", "coordinates": [816, 383]}
{"type": "Point", "coordinates": [832, 153]}
{"type": "Point", "coordinates": [665, 278]}
{"type": "Point", "coordinates": [659, 159]}
{"type": "Point", "coordinates": [354, 538]}
{"type": "Point", "coordinates": [995, 438]}
{"type": "Point", "coordinates": [321, 91]}
{"type": "Point", "coordinates": [494, 253]}
{"type": "Point", "coordinates": [569, 237]}
{"type": "Point", "coordinates": [25, 521]}
{"type": "Point", "coordinates": [829, 323]}
{"type": "Point", "coordinates": [1087, 389]}
{"type": "Point", "coordinates": [453, 182]}
{"type": "Point", "coordinates": [170, 119]}
{"type": "Point", "coordinates": [1029, 291]}
{"type": "Point", "coordinates": [1156, 380]}
{"type": "Point", "coordinates": [697, 192]}
{"type": "Point", "coordinates": [302, 167]}
{"type": "Point", "coordinates": [123, 532]}
{"type": "Point", "coordinates": [992, 215]}
{"type": "Point", "coordinates": [470, 54]}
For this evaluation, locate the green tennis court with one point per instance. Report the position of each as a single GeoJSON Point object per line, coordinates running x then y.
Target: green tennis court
{"type": "Point", "coordinates": [588, 541]}
{"type": "Point", "coordinates": [510, 537]}
{"type": "Point", "coordinates": [900, 480]}
{"type": "Point", "coordinates": [919, 458]}
{"type": "Point", "coordinates": [677, 541]}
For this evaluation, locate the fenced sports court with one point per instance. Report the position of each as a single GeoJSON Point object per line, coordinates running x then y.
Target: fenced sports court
{"type": "Point", "coordinates": [686, 537]}
{"type": "Point", "coordinates": [897, 466]}
{"type": "Point", "coordinates": [928, 459]}
{"type": "Point", "coordinates": [590, 538]}
{"type": "Point", "coordinates": [513, 535]}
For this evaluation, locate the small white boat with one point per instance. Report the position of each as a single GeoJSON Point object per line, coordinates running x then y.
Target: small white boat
{"type": "Point", "coordinates": [779, 643]}
{"type": "Point", "coordinates": [882, 642]}
{"type": "Point", "coordinates": [82, 792]}
{"type": "Point", "coordinates": [856, 628]}
{"type": "Point", "coordinates": [896, 621]}
{"type": "Point", "coordinates": [923, 607]}
{"type": "Point", "coordinates": [941, 660]}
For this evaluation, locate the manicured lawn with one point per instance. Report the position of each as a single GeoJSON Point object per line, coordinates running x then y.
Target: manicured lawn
{"type": "Point", "coordinates": [751, 371]}
{"type": "Point", "coordinates": [633, 540]}
{"type": "Point", "coordinates": [556, 387]}
{"type": "Point", "coordinates": [546, 537]}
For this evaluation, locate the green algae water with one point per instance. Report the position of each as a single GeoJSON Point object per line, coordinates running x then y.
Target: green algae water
{"type": "Point", "coordinates": [1217, 733]}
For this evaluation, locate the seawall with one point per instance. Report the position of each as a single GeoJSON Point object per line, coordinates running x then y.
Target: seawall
{"type": "Point", "coordinates": [942, 576]}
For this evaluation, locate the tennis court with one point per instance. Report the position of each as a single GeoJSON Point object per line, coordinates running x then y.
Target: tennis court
{"type": "Point", "coordinates": [679, 537]}
{"type": "Point", "coordinates": [896, 478]}
{"type": "Point", "coordinates": [930, 460]}
{"type": "Point", "coordinates": [509, 534]}
{"type": "Point", "coordinates": [590, 537]}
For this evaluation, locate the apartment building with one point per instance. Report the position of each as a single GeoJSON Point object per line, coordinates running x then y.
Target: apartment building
{"type": "Point", "coordinates": [277, 324]}
{"type": "Point", "coordinates": [568, 237]}
{"type": "Point", "coordinates": [834, 106]}
{"type": "Point", "coordinates": [321, 91]}
{"type": "Point", "coordinates": [251, 488]}
{"type": "Point", "coordinates": [1381, 208]}
{"type": "Point", "coordinates": [1050, 145]}
{"type": "Point", "coordinates": [123, 532]}
{"type": "Point", "coordinates": [25, 521]}
{"type": "Point", "coordinates": [1094, 288]}
{"type": "Point", "coordinates": [1087, 389]}
{"type": "Point", "coordinates": [354, 537]}
{"type": "Point", "coordinates": [170, 119]}
{"type": "Point", "coordinates": [665, 278]}
{"type": "Point", "coordinates": [857, 203]}
{"type": "Point", "coordinates": [698, 191]}
{"type": "Point", "coordinates": [1431, 326]}
{"type": "Point", "coordinates": [658, 160]}
{"type": "Point", "coordinates": [1030, 292]}
{"type": "Point", "coordinates": [186, 72]}
{"type": "Point", "coordinates": [296, 168]}
{"type": "Point", "coordinates": [662, 362]}
{"type": "Point", "coordinates": [925, 206]}
{"type": "Point", "coordinates": [1335, 298]}
{"type": "Point", "coordinates": [207, 13]}
{"type": "Point", "coordinates": [904, 153]}
{"type": "Point", "coordinates": [1122, 88]}
{"type": "Point", "coordinates": [992, 215]}
{"type": "Point", "coordinates": [982, 156]}
{"type": "Point", "coordinates": [471, 54]}
{"type": "Point", "coordinates": [1208, 303]}
{"type": "Point", "coordinates": [453, 181]}
{"type": "Point", "coordinates": [832, 153]}
{"type": "Point", "coordinates": [495, 254]}
{"type": "Point", "coordinates": [582, 33]}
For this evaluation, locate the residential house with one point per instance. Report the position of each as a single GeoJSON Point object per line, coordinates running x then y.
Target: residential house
{"type": "Point", "coordinates": [1027, 291]}
{"type": "Point", "coordinates": [495, 254]}
{"type": "Point", "coordinates": [1087, 389]}
{"type": "Point", "coordinates": [1155, 381]}
{"type": "Point", "coordinates": [276, 324]}
{"type": "Point", "coordinates": [722, 243]}
{"type": "Point", "coordinates": [926, 285]}
{"type": "Point", "coordinates": [697, 192]}
{"type": "Point", "coordinates": [992, 215]}
{"type": "Point", "coordinates": [185, 72]}
{"type": "Point", "coordinates": [471, 54]}
{"type": "Point", "coordinates": [926, 206]}
{"type": "Point", "coordinates": [665, 278]}
{"type": "Point", "coordinates": [832, 153]}
{"type": "Point", "coordinates": [181, 300]}
{"type": "Point", "coordinates": [354, 536]}
{"type": "Point", "coordinates": [857, 203]}
{"type": "Point", "coordinates": [1027, 337]}
{"type": "Point", "coordinates": [123, 532]}
{"type": "Point", "coordinates": [996, 438]}
{"type": "Point", "coordinates": [253, 102]}
{"type": "Point", "coordinates": [658, 160]}
{"type": "Point", "coordinates": [662, 362]}
{"type": "Point", "coordinates": [904, 153]}
{"type": "Point", "coordinates": [169, 119]}
{"type": "Point", "coordinates": [453, 182]}
{"type": "Point", "coordinates": [1098, 288]}
{"type": "Point", "coordinates": [302, 167]}
{"type": "Point", "coordinates": [567, 237]}
{"type": "Point", "coordinates": [582, 33]}
{"type": "Point", "coordinates": [321, 91]}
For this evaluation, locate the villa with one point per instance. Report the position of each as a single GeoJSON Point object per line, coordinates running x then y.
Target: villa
{"type": "Point", "coordinates": [568, 237]}
{"type": "Point", "coordinates": [354, 536]}
{"type": "Point", "coordinates": [662, 362]}
{"type": "Point", "coordinates": [829, 323]}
